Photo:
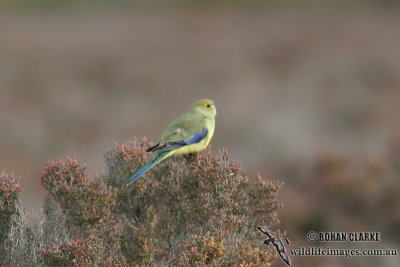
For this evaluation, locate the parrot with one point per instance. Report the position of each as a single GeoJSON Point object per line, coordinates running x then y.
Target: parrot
{"type": "Point", "coordinates": [188, 133]}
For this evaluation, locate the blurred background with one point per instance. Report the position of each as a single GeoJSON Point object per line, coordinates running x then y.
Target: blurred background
{"type": "Point", "coordinates": [307, 92]}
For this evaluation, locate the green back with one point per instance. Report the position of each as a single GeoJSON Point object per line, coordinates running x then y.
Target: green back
{"type": "Point", "coordinates": [183, 127]}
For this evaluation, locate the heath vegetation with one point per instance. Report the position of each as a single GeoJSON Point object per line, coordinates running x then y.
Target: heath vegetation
{"type": "Point", "coordinates": [196, 210]}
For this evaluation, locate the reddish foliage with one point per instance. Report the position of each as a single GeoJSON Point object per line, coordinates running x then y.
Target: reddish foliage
{"type": "Point", "coordinates": [9, 188]}
{"type": "Point", "coordinates": [199, 209]}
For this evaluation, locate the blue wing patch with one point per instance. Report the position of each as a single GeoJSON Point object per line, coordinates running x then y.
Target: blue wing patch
{"type": "Point", "coordinates": [196, 138]}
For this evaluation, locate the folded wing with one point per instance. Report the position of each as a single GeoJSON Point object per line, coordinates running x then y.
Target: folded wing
{"type": "Point", "coordinates": [168, 146]}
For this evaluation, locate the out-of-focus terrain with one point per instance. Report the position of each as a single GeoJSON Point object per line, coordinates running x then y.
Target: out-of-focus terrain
{"type": "Point", "coordinates": [307, 96]}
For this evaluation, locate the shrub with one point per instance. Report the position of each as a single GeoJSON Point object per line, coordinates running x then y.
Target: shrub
{"type": "Point", "coordinates": [202, 198]}
{"type": "Point", "coordinates": [88, 205]}
{"type": "Point", "coordinates": [18, 242]}
{"type": "Point", "coordinates": [86, 202]}
{"type": "Point", "coordinates": [92, 251]}
{"type": "Point", "coordinates": [197, 210]}
{"type": "Point", "coordinates": [9, 188]}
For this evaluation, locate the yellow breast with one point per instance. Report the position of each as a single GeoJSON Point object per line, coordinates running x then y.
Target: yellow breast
{"type": "Point", "coordinates": [210, 125]}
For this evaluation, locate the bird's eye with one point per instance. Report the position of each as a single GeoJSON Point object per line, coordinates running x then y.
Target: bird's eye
{"type": "Point", "coordinates": [208, 105]}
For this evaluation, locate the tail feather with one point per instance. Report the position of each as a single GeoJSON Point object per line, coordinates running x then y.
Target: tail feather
{"type": "Point", "coordinates": [147, 167]}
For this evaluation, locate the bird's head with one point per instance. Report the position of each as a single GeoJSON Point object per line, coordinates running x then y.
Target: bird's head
{"type": "Point", "coordinates": [205, 107]}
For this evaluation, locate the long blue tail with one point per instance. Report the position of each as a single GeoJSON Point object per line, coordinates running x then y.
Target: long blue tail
{"type": "Point", "coordinates": [145, 168]}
